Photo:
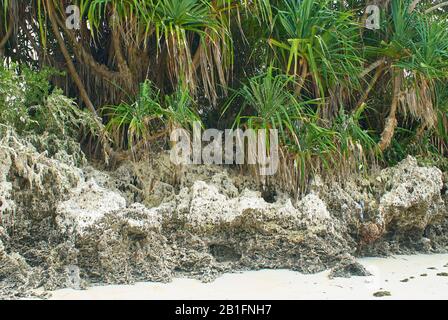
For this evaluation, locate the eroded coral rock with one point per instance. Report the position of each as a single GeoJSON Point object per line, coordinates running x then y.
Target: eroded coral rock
{"type": "Point", "coordinates": [31, 184]}
{"type": "Point", "coordinates": [135, 224]}
{"type": "Point", "coordinates": [203, 205]}
{"type": "Point", "coordinates": [14, 272]}
{"type": "Point", "coordinates": [413, 199]}
{"type": "Point", "coordinates": [347, 268]}
{"type": "Point", "coordinates": [87, 204]}
{"type": "Point", "coordinates": [124, 246]}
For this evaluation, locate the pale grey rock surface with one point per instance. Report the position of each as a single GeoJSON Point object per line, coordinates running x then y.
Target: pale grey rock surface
{"type": "Point", "coordinates": [86, 205]}
{"type": "Point", "coordinates": [413, 199]}
{"type": "Point", "coordinates": [66, 226]}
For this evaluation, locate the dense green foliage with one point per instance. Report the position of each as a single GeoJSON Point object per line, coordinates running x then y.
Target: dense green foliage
{"type": "Point", "coordinates": [341, 95]}
{"type": "Point", "coordinates": [149, 117]}
{"type": "Point", "coordinates": [29, 104]}
{"type": "Point", "coordinates": [43, 115]}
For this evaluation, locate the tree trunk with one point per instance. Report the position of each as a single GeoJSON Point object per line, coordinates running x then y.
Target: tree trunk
{"type": "Point", "coordinates": [68, 59]}
{"type": "Point", "coordinates": [4, 40]}
{"type": "Point", "coordinates": [75, 76]}
{"type": "Point", "coordinates": [391, 121]}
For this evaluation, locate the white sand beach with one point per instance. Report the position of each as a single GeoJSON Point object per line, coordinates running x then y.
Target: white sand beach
{"type": "Point", "coordinates": [404, 277]}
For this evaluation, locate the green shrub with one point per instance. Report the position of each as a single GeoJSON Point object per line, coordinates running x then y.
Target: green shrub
{"type": "Point", "coordinates": [30, 105]}
{"type": "Point", "coordinates": [309, 145]}
{"type": "Point", "coordinates": [150, 116]}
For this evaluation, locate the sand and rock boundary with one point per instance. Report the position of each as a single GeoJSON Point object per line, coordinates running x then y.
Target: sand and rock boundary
{"type": "Point", "coordinates": [66, 225]}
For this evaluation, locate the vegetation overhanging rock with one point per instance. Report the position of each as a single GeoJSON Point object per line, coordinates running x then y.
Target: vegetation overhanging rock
{"type": "Point", "coordinates": [347, 100]}
{"type": "Point", "coordinates": [64, 226]}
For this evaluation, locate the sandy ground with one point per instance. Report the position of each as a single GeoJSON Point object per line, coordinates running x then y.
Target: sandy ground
{"type": "Point", "coordinates": [389, 274]}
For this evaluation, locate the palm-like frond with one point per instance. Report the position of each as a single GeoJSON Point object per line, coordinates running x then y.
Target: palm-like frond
{"type": "Point", "coordinates": [320, 42]}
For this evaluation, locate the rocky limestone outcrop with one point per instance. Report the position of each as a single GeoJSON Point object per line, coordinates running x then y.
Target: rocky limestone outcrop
{"type": "Point", "coordinates": [31, 184]}
{"type": "Point", "coordinates": [412, 199]}
{"type": "Point", "coordinates": [62, 226]}
{"type": "Point", "coordinates": [86, 205]}
{"type": "Point", "coordinates": [200, 233]}
{"type": "Point", "coordinates": [399, 209]}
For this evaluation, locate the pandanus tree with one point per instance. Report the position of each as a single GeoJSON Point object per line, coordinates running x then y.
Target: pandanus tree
{"type": "Point", "coordinates": [320, 45]}
{"type": "Point", "coordinates": [309, 67]}
{"type": "Point", "coordinates": [120, 43]}
{"type": "Point", "coordinates": [413, 55]}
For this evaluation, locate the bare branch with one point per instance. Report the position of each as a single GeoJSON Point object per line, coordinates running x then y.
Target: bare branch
{"type": "Point", "coordinates": [438, 6]}
{"type": "Point", "coordinates": [71, 67]}
{"type": "Point", "coordinates": [391, 120]}
{"type": "Point", "coordinates": [8, 34]}
{"type": "Point", "coordinates": [83, 55]}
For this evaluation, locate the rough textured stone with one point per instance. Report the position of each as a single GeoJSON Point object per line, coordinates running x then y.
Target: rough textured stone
{"type": "Point", "coordinates": [31, 184]}
{"type": "Point", "coordinates": [151, 221]}
{"type": "Point", "coordinates": [347, 268]}
{"type": "Point", "coordinates": [87, 204]}
{"type": "Point", "coordinates": [413, 199]}
{"type": "Point", "coordinates": [124, 246]}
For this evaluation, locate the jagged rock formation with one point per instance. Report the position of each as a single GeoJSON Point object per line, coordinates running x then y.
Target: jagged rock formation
{"type": "Point", "coordinates": [413, 196]}
{"type": "Point", "coordinates": [64, 226]}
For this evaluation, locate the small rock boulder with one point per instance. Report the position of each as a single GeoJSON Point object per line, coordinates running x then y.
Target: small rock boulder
{"type": "Point", "coordinates": [87, 204]}
{"type": "Point", "coordinates": [413, 196]}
